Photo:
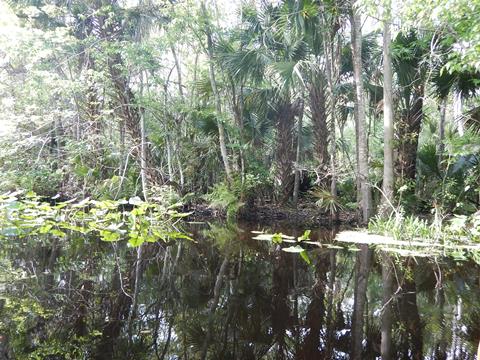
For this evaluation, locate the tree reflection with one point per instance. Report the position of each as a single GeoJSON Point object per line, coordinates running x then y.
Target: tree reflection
{"type": "Point", "coordinates": [227, 296]}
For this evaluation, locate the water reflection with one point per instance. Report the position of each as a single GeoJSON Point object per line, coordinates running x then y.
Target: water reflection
{"type": "Point", "coordinates": [228, 296]}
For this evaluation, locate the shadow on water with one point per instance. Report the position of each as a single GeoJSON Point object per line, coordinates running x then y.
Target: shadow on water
{"type": "Point", "coordinates": [229, 296]}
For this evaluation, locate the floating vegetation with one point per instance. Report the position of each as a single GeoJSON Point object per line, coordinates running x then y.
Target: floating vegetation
{"type": "Point", "coordinates": [25, 215]}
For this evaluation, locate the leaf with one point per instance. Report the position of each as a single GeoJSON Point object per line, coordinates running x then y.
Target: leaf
{"type": "Point", "coordinates": [135, 200]}
{"type": "Point", "coordinates": [305, 236]}
{"type": "Point", "coordinates": [58, 233]}
{"type": "Point", "coordinates": [107, 235]}
{"type": "Point", "coordinates": [277, 238]}
{"type": "Point", "coordinates": [179, 235]}
{"type": "Point", "coordinates": [45, 229]}
{"type": "Point", "coordinates": [297, 249]}
{"type": "Point", "coordinates": [135, 241]}
{"type": "Point", "coordinates": [82, 203]}
{"type": "Point", "coordinates": [304, 256]}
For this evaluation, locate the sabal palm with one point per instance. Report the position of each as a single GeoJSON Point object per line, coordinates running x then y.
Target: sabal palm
{"type": "Point", "coordinates": [268, 55]}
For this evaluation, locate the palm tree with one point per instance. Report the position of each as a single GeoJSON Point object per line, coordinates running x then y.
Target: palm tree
{"type": "Point", "coordinates": [269, 58]}
{"type": "Point", "coordinates": [408, 54]}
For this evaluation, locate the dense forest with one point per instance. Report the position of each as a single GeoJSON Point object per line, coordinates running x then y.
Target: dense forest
{"type": "Point", "coordinates": [142, 141]}
{"type": "Point", "coordinates": [347, 105]}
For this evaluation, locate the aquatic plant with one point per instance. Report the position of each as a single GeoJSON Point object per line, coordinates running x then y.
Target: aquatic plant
{"type": "Point", "coordinates": [26, 215]}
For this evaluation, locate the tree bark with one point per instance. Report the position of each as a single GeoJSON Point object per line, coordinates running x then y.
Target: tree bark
{"type": "Point", "coordinates": [284, 148]}
{"type": "Point", "coordinates": [331, 80]}
{"type": "Point", "coordinates": [387, 189]}
{"type": "Point", "coordinates": [408, 132]}
{"type": "Point", "coordinates": [388, 173]}
{"type": "Point", "coordinates": [296, 185]}
{"type": "Point", "coordinates": [366, 203]}
{"type": "Point", "coordinates": [316, 93]}
{"type": "Point", "coordinates": [458, 113]}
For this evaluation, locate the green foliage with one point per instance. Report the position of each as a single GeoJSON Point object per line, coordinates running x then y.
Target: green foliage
{"type": "Point", "coordinates": [133, 220]}
{"type": "Point", "coordinates": [223, 198]}
{"type": "Point", "coordinates": [457, 237]}
{"type": "Point", "coordinates": [232, 198]}
{"type": "Point", "coordinates": [326, 201]}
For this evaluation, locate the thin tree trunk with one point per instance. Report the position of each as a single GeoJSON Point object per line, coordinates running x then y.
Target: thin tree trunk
{"type": "Point", "coordinates": [388, 181]}
{"type": "Point", "coordinates": [143, 158]}
{"type": "Point", "coordinates": [458, 113]}
{"type": "Point", "coordinates": [358, 182]}
{"type": "Point", "coordinates": [441, 130]}
{"type": "Point", "coordinates": [218, 104]}
{"type": "Point", "coordinates": [387, 313]}
{"type": "Point", "coordinates": [296, 185]}
{"type": "Point", "coordinates": [179, 71]}
{"type": "Point", "coordinates": [388, 173]}
{"type": "Point", "coordinates": [169, 160]}
{"type": "Point", "coordinates": [366, 203]}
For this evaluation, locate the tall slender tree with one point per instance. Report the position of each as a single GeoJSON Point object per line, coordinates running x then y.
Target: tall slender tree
{"type": "Point", "coordinates": [388, 183]}
{"type": "Point", "coordinates": [366, 200]}
{"type": "Point", "coordinates": [216, 94]}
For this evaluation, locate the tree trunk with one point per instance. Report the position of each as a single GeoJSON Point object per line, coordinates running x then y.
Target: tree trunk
{"type": "Point", "coordinates": [408, 131]}
{"type": "Point", "coordinates": [387, 313]}
{"type": "Point", "coordinates": [441, 130]}
{"type": "Point", "coordinates": [366, 203]}
{"type": "Point", "coordinates": [296, 186]}
{"type": "Point", "coordinates": [333, 139]}
{"type": "Point", "coordinates": [286, 113]}
{"type": "Point", "coordinates": [218, 103]}
{"type": "Point", "coordinates": [179, 71]}
{"type": "Point", "coordinates": [386, 207]}
{"type": "Point", "coordinates": [320, 130]}
{"type": "Point", "coordinates": [388, 174]}
{"type": "Point", "coordinates": [458, 113]}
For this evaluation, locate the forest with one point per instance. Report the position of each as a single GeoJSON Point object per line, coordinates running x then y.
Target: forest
{"type": "Point", "coordinates": [239, 179]}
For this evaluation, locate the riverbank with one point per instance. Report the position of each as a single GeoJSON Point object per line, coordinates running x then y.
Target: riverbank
{"type": "Point", "coordinates": [305, 215]}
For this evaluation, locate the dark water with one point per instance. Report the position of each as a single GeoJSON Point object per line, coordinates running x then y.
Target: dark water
{"type": "Point", "coordinates": [228, 296]}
